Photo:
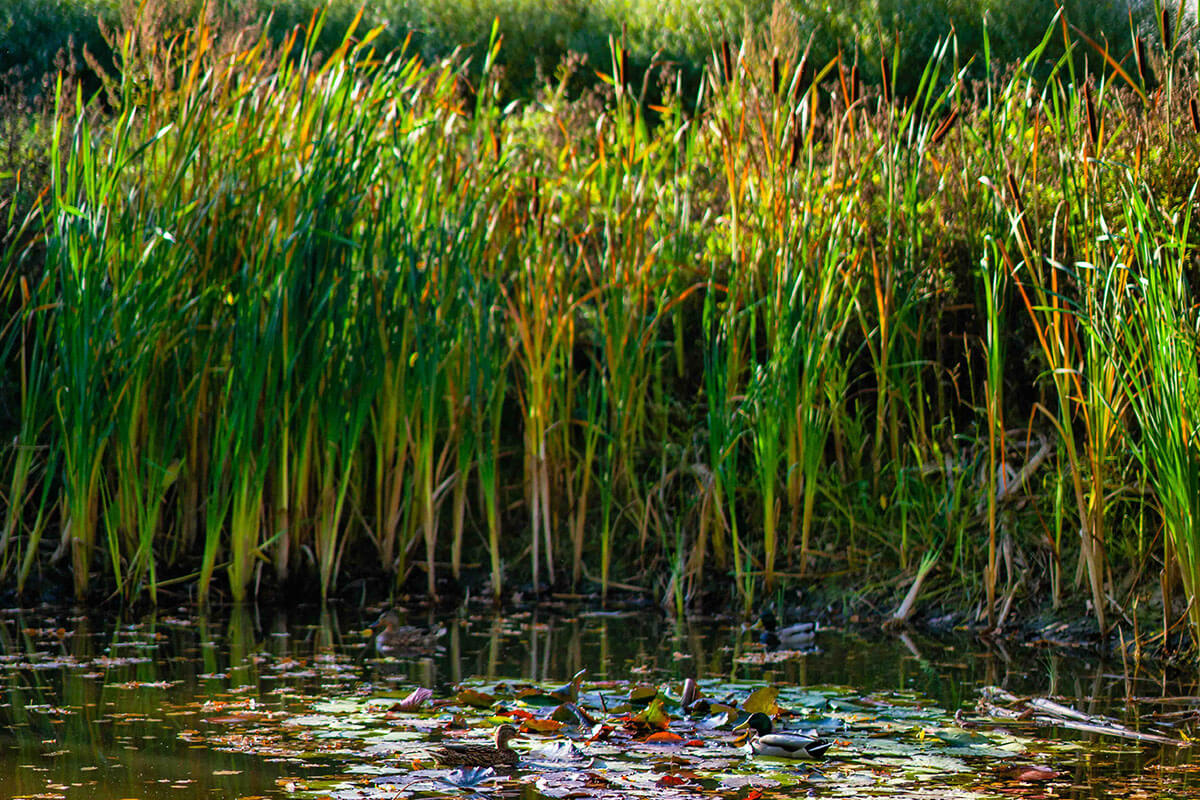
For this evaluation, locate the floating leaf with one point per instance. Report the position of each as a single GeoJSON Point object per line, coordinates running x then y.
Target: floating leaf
{"type": "Point", "coordinates": [560, 751]}
{"type": "Point", "coordinates": [763, 700]}
{"type": "Point", "coordinates": [469, 777]}
{"type": "Point", "coordinates": [472, 697]}
{"type": "Point", "coordinates": [642, 694]}
{"type": "Point", "coordinates": [600, 733]}
{"type": "Point", "coordinates": [508, 715]}
{"type": "Point", "coordinates": [961, 738]}
{"type": "Point", "coordinates": [537, 697]}
{"type": "Point", "coordinates": [654, 716]}
{"type": "Point", "coordinates": [414, 701]}
{"type": "Point", "coordinates": [722, 717]}
{"type": "Point", "coordinates": [664, 737]}
{"type": "Point", "coordinates": [536, 725]}
{"type": "Point", "coordinates": [1031, 774]}
{"type": "Point", "coordinates": [572, 714]}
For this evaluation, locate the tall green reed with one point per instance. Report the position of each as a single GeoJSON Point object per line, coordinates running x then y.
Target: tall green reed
{"type": "Point", "coordinates": [364, 285]}
{"type": "Point", "coordinates": [1147, 319]}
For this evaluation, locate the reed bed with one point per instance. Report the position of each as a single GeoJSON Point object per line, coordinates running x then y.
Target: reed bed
{"type": "Point", "coordinates": [297, 316]}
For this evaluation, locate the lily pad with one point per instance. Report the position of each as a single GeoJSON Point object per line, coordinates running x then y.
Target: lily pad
{"type": "Point", "coordinates": [474, 698]}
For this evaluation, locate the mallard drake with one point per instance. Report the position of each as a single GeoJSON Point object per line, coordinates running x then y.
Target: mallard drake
{"type": "Point", "coordinates": [792, 637]}
{"type": "Point", "coordinates": [480, 755]}
{"type": "Point", "coordinates": [760, 740]}
{"type": "Point", "coordinates": [393, 637]}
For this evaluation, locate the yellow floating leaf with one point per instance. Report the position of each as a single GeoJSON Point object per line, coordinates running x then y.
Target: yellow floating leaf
{"type": "Point", "coordinates": [763, 700]}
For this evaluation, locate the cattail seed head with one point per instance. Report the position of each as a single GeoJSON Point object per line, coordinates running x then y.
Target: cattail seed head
{"type": "Point", "coordinates": [801, 78]}
{"type": "Point", "coordinates": [1166, 30]}
{"type": "Point", "coordinates": [1092, 122]}
{"type": "Point", "coordinates": [1195, 112]}
{"type": "Point", "coordinates": [797, 141]}
{"type": "Point", "coordinates": [775, 75]}
{"type": "Point", "coordinates": [727, 60]}
{"type": "Point", "coordinates": [1139, 54]}
{"type": "Point", "coordinates": [1014, 191]}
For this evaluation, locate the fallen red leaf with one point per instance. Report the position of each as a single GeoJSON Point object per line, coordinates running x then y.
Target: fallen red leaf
{"type": "Point", "coordinates": [601, 733]}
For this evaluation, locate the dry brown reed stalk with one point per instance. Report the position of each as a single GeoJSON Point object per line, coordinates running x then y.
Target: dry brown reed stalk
{"type": "Point", "coordinates": [1028, 242]}
{"type": "Point", "coordinates": [885, 74]}
{"type": "Point", "coordinates": [944, 127]}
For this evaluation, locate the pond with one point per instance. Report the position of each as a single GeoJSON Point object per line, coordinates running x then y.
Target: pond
{"type": "Point", "coordinates": [252, 703]}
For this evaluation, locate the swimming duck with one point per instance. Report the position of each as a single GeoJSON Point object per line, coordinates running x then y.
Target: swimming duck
{"type": "Point", "coordinates": [393, 637]}
{"type": "Point", "coordinates": [759, 740]}
{"type": "Point", "coordinates": [792, 637]}
{"type": "Point", "coordinates": [480, 755]}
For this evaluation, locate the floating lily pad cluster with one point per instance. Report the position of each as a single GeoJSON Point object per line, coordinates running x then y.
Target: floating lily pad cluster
{"type": "Point", "coordinates": [195, 709]}
{"type": "Point", "coordinates": [621, 739]}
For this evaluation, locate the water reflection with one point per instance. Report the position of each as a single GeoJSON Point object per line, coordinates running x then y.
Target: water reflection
{"type": "Point", "coordinates": [117, 709]}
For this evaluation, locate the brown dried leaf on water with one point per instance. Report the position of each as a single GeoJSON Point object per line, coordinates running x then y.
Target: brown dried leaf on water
{"type": "Point", "coordinates": [1030, 773]}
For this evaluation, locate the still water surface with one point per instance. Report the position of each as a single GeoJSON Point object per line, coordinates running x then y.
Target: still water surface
{"type": "Point", "coordinates": [181, 706]}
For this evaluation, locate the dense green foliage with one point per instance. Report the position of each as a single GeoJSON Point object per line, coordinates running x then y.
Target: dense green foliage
{"type": "Point", "coordinates": [539, 34]}
{"type": "Point", "coordinates": [294, 309]}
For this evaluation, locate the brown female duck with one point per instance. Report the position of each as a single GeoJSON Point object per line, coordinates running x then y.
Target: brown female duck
{"type": "Point", "coordinates": [480, 755]}
{"type": "Point", "coordinates": [393, 637]}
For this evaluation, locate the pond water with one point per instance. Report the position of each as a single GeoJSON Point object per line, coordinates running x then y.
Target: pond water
{"type": "Point", "coordinates": [251, 703]}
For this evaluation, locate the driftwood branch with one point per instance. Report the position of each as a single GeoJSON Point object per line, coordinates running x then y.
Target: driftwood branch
{"type": "Point", "coordinates": [1045, 712]}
